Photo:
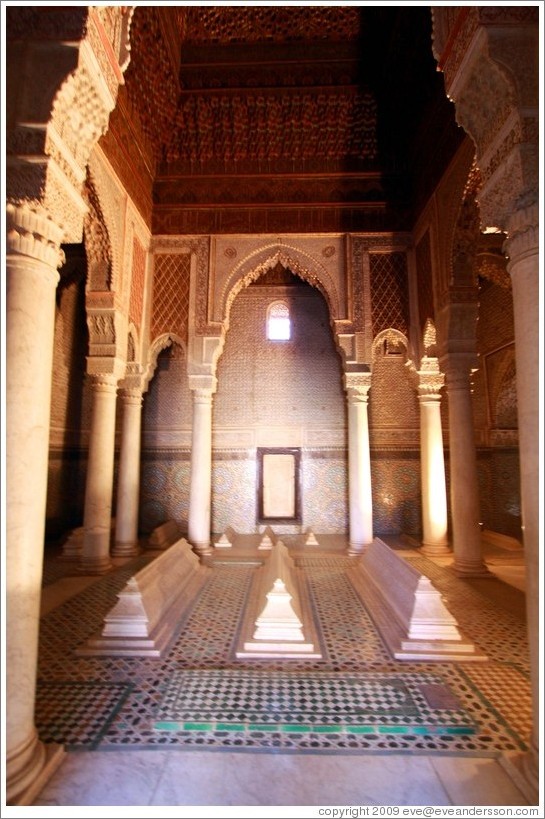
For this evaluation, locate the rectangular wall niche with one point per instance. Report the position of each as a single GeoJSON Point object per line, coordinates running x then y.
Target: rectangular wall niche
{"type": "Point", "coordinates": [278, 485]}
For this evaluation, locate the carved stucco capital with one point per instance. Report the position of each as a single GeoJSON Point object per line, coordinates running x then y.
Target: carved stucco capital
{"type": "Point", "coordinates": [32, 233]}
{"type": "Point", "coordinates": [457, 329]}
{"type": "Point", "coordinates": [523, 235]}
{"type": "Point", "coordinates": [104, 382]}
{"type": "Point", "coordinates": [202, 386]}
{"type": "Point", "coordinates": [357, 386]}
{"type": "Point", "coordinates": [430, 380]}
{"type": "Point", "coordinates": [130, 395]}
{"type": "Point", "coordinates": [104, 367]}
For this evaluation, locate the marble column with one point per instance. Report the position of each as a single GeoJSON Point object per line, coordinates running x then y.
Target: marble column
{"type": "Point", "coordinates": [97, 518]}
{"type": "Point", "coordinates": [432, 460]}
{"type": "Point", "coordinates": [33, 255]}
{"type": "Point", "coordinates": [359, 463]}
{"type": "Point", "coordinates": [523, 250]}
{"type": "Point", "coordinates": [464, 484]}
{"type": "Point", "coordinates": [128, 483]}
{"type": "Point", "coordinates": [200, 490]}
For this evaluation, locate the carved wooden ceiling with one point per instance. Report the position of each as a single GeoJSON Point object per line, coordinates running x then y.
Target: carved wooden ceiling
{"type": "Point", "coordinates": [287, 118]}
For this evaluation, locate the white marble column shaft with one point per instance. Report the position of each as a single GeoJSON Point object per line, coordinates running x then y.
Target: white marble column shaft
{"type": "Point", "coordinates": [128, 482]}
{"type": "Point", "coordinates": [33, 256]}
{"type": "Point", "coordinates": [432, 468]}
{"type": "Point", "coordinates": [97, 518]}
{"type": "Point", "coordinates": [201, 472]}
{"type": "Point", "coordinates": [359, 471]}
{"type": "Point", "coordinates": [523, 250]}
{"type": "Point", "coordinates": [464, 484]}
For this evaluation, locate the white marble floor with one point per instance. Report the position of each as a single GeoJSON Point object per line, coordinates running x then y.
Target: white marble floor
{"type": "Point", "coordinates": [223, 779]}
{"type": "Point", "coordinates": [214, 782]}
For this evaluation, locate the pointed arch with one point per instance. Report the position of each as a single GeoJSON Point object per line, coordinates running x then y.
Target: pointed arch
{"type": "Point", "coordinates": [159, 344]}
{"type": "Point", "coordinates": [390, 342]}
{"type": "Point", "coordinates": [299, 262]}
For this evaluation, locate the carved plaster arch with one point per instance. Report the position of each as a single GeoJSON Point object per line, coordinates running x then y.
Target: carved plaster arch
{"type": "Point", "coordinates": [466, 235]}
{"type": "Point", "coordinates": [71, 115]}
{"type": "Point", "coordinates": [507, 365]}
{"type": "Point", "coordinates": [301, 263]}
{"type": "Point", "coordinates": [98, 245]}
{"type": "Point", "coordinates": [489, 58]}
{"type": "Point", "coordinates": [389, 335]}
{"type": "Point", "coordinates": [159, 344]}
{"type": "Point", "coordinates": [450, 212]}
{"type": "Point", "coordinates": [132, 344]}
{"type": "Point", "coordinates": [111, 213]}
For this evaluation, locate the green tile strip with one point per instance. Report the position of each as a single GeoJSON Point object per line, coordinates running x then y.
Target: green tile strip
{"type": "Point", "coordinates": [334, 728]}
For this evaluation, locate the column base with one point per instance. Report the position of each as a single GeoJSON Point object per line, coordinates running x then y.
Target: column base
{"type": "Point", "coordinates": [357, 549]}
{"type": "Point", "coordinates": [203, 549]}
{"type": "Point", "coordinates": [34, 765]}
{"type": "Point", "coordinates": [125, 549]}
{"type": "Point", "coordinates": [435, 549]}
{"type": "Point", "coordinates": [523, 770]}
{"type": "Point", "coordinates": [101, 566]}
{"type": "Point", "coordinates": [472, 570]}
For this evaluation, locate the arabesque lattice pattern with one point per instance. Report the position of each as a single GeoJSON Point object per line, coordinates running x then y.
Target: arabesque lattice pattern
{"type": "Point", "coordinates": [389, 292]}
{"type": "Point", "coordinates": [170, 294]}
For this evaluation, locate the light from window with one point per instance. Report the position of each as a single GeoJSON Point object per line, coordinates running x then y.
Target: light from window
{"type": "Point", "coordinates": [278, 322]}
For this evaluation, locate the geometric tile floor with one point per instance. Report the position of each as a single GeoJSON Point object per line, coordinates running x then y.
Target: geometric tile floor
{"type": "Point", "coordinates": [356, 699]}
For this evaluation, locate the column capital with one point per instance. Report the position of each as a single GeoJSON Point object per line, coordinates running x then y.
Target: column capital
{"type": "Point", "coordinates": [131, 395]}
{"type": "Point", "coordinates": [203, 385]}
{"type": "Point", "coordinates": [458, 368]}
{"type": "Point", "coordinates": [357, 386]}
{"type": "Point", "coordinates": [429, 380]}
{"type": "Point", "coordinates": [31, 232]}
{"type": "Point", "coordinates": [103, 382]}
{"type": "Point", "coordinates": [523, 235]}
{"type": "Point", "coordinates": [102, 366]}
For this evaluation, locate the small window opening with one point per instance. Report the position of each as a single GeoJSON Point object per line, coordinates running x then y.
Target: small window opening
{"type": "Point", "coordinates": [278, 322]}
